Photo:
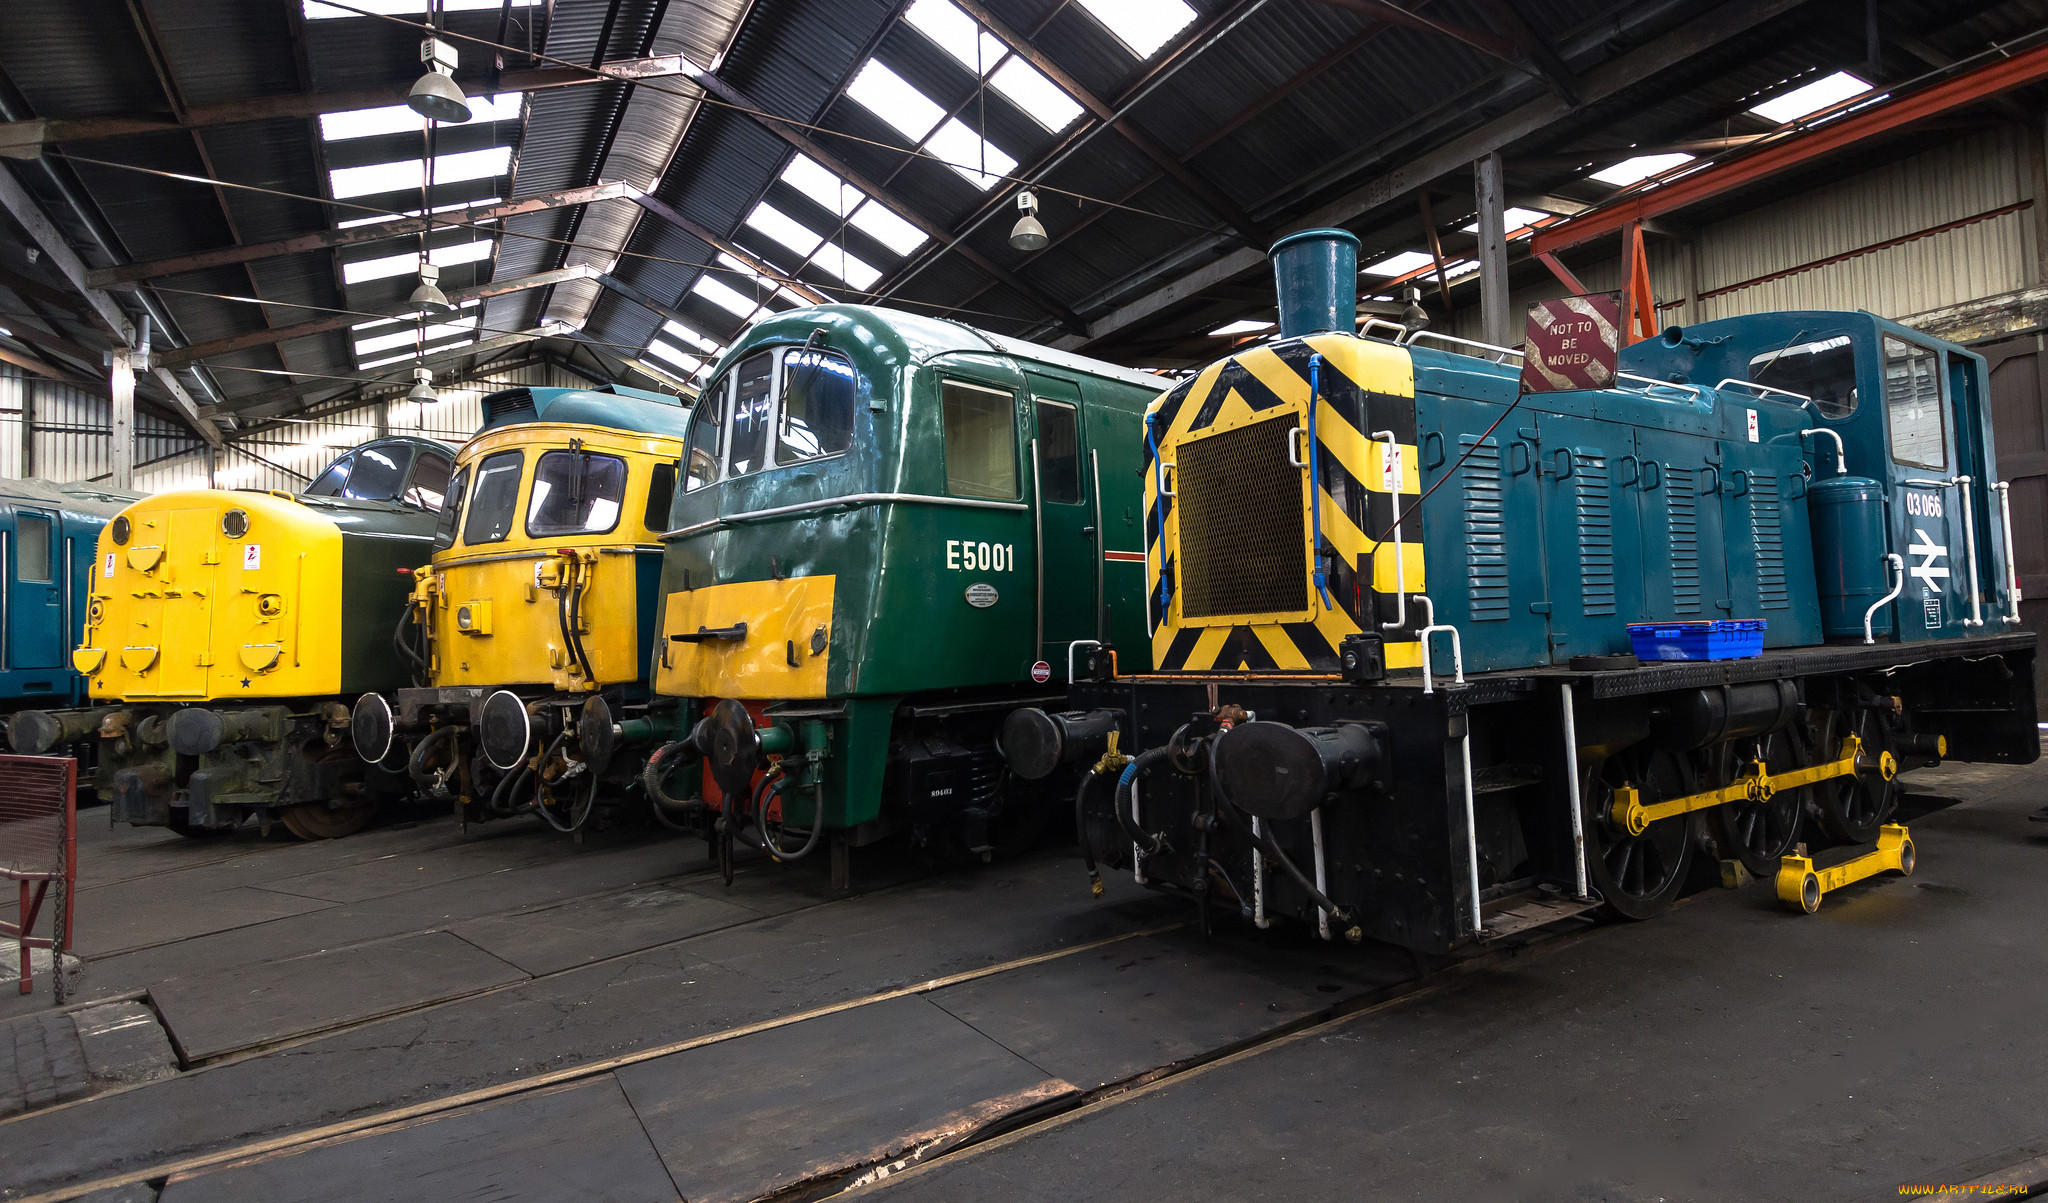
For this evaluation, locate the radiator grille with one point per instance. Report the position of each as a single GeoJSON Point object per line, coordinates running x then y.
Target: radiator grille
{"type": "Point", "coordinates": [1596, 534]}
{"type": "Point", "coordinates": [1486, 549]}
{"type": "Point", "coordinates": [1682, 495]}
{"type": "Point", "coordinates": [1243, 542]}
{"type": "Point", "coordinates": [1767, 528]}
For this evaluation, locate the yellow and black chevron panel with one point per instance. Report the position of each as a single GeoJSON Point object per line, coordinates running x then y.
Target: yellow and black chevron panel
{"type": "Point", "coordinates": [1231, 537]}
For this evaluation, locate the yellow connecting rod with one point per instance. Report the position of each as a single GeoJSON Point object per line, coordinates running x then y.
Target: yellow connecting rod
{"type": "Point", "coordinates": [1800, 885]}
{"type": "Point", "coordinates": [1755, 783]}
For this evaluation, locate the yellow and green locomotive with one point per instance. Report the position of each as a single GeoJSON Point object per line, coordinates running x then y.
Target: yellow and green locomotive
{"type": "Point", "coordinates": [1397, 602]}
{"type": "Point", "coordinates": [227, 633]}
{"type": "Point", "coordinates": [891, 530]}
{"type": "Point", "coordinates": [530, 633]}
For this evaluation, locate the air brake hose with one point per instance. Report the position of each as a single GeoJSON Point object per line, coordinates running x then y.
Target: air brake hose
{"type": "Point", "coordinates": [657, 768]}
{"type": "Point", "coordinates": [1271, 848]}
{"type": "Point", "coordinates": [1152, 845]}
{"type": "Point", "coordinates": [540, 783]}
{"type": "Point", "coordinates": [415, 663]}
{"type": "Point", "coordinates": [416, 764]}
{"type": "Point", "coordinates": [768, 842]}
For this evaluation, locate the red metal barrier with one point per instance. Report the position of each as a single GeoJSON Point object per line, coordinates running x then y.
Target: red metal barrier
{"type": "Point", "coordinates": [39, 846]}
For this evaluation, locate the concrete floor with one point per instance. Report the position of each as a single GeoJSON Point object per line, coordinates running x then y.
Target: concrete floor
{"type": "Point", "coordinates": [779, 1036]}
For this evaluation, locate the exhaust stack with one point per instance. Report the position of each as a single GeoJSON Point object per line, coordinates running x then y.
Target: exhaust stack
{"type": "Point", "coordinates": [1315, 276]}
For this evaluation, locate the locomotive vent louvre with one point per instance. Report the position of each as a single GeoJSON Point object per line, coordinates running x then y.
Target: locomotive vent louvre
{"type": "Point", "coordinates": [1682, 496]}
{"type": "Point", "coordinates": [1767, 530]}
{"type": "Point", "coordinates": [1243, 534]}
{"type": "Point", "coordinates": [1596, 534]}
{"type": "Point", "coordinates": [1486, 549]}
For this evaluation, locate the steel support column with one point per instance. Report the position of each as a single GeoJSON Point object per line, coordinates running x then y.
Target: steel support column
{"type": "Point", "coordinates": [121, 451]}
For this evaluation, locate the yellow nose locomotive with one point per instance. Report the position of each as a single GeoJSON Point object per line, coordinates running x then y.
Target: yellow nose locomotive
{"type": "Point", "coordinates": [226, 634]}
{"type": "Point", "coordinates": [529, 635]}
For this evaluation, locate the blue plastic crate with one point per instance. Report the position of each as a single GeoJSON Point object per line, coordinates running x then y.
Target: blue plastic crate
{"type": "Point", "coordinates": [1723, 639]}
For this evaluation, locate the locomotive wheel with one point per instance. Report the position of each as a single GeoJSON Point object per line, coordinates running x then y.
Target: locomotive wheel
{"type": "Point", "coordinates": [1853, 808]}
{"type": "Point", "coordinates": [1760, 834]}
{"type": "Point", "coordinates": [1638, 876]}
{"type": "Point", "coordinates": [319, 821]}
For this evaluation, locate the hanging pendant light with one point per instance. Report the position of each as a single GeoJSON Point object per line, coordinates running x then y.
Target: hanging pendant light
{"type": "Point", "coordinates": [428, 296]}
{"type": "Point", "coordinates": [423, 392]}
{"type": "Point", "coordinates": [436, 95]}
{"type": "Point", "coordinates": [1414, 317]}
{"type": "Point", "coordinates": [1027, 234]}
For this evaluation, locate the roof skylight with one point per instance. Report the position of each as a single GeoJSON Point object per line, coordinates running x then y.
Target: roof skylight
{"type": "Point", "coordinates": [1143, 26]}
{"type": "Point", "coordinates": [1245, 326]}
{"type": "Point", "coordinates": [724, 296]}
{"type": "Point", "coordinates": [410, 173]}
{"type": "Point", "coordinates": [881, 224]}
{"type": "Point", "coordinates": [359, 327]}
{"type": "Point", "coordinates": [678, 330]}
{"type": "Point", "coordinates": [847, 267]}
{"type": "Point", "coordinates": [1400, 265]}
{"type": "Point", "coordinates": [375, 218]}
{"type": "Point", "coordinates": [407, 338]}
{"type": "Point", "coordinates": [398, 118]}
{"type": "Point", "coordinates": [783, 228]}
{"type": "Point", "coordinates": [889, 96]}
{"type": "Point", "coordinates": [384, 266]}
{"type": "Point", "coordinates": [391, 359]}
{"type": "Point", "coordinates": [954, 32]}
{"type": "Point", "coordinates": [1640, 168]}
{"type": "Point", "coordinates": [1822, 93]}
{"type": "Point", "coordinates": [964, 150]}
{"type": "Point", "coordinates": [689, 363]}
{"type": "Point", "coordinates": [1516, 218]}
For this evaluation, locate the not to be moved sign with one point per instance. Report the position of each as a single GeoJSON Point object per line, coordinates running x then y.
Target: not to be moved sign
{"type": "Point", "coordinates": [1572, 343]}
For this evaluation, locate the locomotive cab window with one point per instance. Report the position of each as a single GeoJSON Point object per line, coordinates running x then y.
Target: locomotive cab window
{"type": "Point", "coordinates": [379, 472]}
{"type": "Point", "coordinates": [429, 481]}
{"type": "Point", "coordinates": [661, 493]}
{"type": "Point", "coordinates": [1824, 370]}
{"type": "Point", "coordinates": [753, 411]}
{"type": "Point", "coordinates": [707, 429]}
{"type": "Point", "coordinates": [32, 549]}
{"type": "Point", "coordinates": [496, 501]}
{"type": "Point", "coordinates": [1059, 452]}
{"type": "Point", "coordinates": [817, 405]}
{"type": "Point", "coordinates": [981, 441]}
{"type": "Point", "coordinates": [329, 483]}
{"type": "Point", "coordinates": [575, 493]}
{"type": "Point", "coordinates": [1913, 404]}
{"type": "Point", "coordinates": [451, 512]}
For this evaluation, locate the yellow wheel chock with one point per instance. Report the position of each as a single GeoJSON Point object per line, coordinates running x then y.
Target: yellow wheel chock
{"type": "Point", "coordinates": [1800, 885]}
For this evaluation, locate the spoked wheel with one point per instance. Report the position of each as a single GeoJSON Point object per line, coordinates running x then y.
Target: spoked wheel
{"type": "Point", "coordinates": [1640, 875]}
{"type": "Point", "coordinates": [319, 821]}
{"type": "Point", "coordinates": [1853, 808]}
{"type": "Point", "coordinates": [1760, 834]}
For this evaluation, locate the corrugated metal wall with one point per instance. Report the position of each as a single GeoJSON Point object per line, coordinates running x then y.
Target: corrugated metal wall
{"type": "Point", "coordinates": [72, 427]}
{"type": "Point", "coordinates": [1954, 182]}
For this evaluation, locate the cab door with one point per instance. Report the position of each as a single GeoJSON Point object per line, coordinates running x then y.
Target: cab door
{"type": "Point", "coordinates": [1927, 515]}
{"type": "Point", "coordinates": [1063, 495]}
{"type": "Point", "coordinates": [35, 607]}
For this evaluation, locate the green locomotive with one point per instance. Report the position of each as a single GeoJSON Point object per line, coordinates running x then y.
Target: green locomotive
{"type": "Point", "coordinates": [892, 529]}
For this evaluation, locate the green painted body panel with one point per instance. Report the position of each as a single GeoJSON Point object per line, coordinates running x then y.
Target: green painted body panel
{"type": "Point", "coordinates": [902, 625]}
{"type": "Point", "coordinates": [378, 539]}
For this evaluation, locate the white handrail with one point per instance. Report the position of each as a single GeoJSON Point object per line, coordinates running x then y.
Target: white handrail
{"type": "Point", "coordinates": [1393, 453]}
{"type": "Point", "coordinates": [1368, 322]}
{"type": "Point", "coordinates": [1464, 342]}
{"type": "Point", "coordinates": [1457, 651]}
{"type": "Point", "coordinates": [1315, 827]}
{"type": "Point", "coordinates": [1471, 832]}
{"type": "Point", "coordinates": [1766, 389]}
{"type": "Point", "coordinates": [1891, 560]}
{"type": "Point", "coordinates": [1078, 643]}
{"type": "Point", "coordinates": [1963, 484]}
{"type": "Point", "coordinates": [1259, 919]}
{"type": "Point", "coordinates": [2012, 567]}
{"type": "Point", "coordinates": [1841, 457]}
{"type": "Point", "coordinates": [1649, 384]}
{"type": "Point", "coordinates": [1571, 768]}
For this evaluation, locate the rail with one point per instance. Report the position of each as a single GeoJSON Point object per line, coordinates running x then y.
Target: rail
{"type": "Point", "coordinates": [1763, 390]}
{"type": "Point", "coordinates": [2012, 566]}
{"type": "Point", "coordinates": [1841, 457]}
{"type": "Point", "coordinates": [1393, 454]}
{"type": "Point", "coordinates": [1891, 560]}
{"type": "Point", "coordinates": [1432, 627]}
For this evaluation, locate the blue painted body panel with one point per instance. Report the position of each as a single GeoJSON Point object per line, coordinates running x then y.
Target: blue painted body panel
{"type": "Point", "coordinates": [42, 610]}
{"type": "Point", "coordinates": [613, 405]}
{"type": "Point", "coordinates": [1583, 512]}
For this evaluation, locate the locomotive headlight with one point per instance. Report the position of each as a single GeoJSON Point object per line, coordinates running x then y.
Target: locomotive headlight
{"type": "Point", "coordinates": [119, 531]}
{"type": "Point", "coordinates": [1276, 771]}
{"type": "Point", "coordinates": [463, 618]}
{"type": "Point", "coordinates": [235, 523]}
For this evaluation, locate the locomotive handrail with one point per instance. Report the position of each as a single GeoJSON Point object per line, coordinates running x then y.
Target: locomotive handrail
{"type": "Point", "coordinates": [1464, 342]}
{"type": "Point", "coordinates": [1400, 558]}
{"type": "Point", "coordinates": [1431, 627]}
{"type": "Point", "coordinates": [1764, 390]}
{"type": "Point", "coordinates": [1367, 323]}
{"type": "Point", "coordinates": [1841, 456]}
{"type": "Point", "coordinates": [2012, 568]}
{"type": "Point", "coordinates": [1648, 383]}
{"type": "Point", "coordinates": [850, 501]}
{"type": "Point", "coordinates": [1891, 560]}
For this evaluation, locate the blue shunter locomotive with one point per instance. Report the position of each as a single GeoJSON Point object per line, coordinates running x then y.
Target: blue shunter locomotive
{"type": "Point", "coordinates": [1411, 709]}
{"type": "Point", "coordinates": [47, 535]}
